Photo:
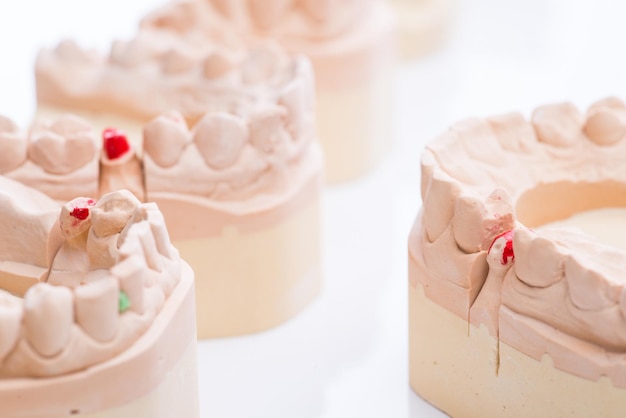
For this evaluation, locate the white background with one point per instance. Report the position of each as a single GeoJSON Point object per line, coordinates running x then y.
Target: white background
{"type": "Point", "coordinates": [346, 355]}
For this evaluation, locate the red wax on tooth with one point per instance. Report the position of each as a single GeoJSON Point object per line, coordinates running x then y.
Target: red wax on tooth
{"type": "Point", "coordinates": [114, 143]}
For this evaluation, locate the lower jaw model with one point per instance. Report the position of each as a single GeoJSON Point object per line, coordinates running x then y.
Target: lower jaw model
{"type": "Point", "coordinates": [106, 325]}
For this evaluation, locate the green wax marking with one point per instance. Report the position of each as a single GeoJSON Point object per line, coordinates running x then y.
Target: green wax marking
{"type": "Point", "coordinates": [124, 302]}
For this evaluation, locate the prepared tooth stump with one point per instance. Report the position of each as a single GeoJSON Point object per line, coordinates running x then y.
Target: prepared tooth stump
{"type": "Point", "coordinates": [96, 310]}
{"type": "Point", "coordinates": [517, 279]}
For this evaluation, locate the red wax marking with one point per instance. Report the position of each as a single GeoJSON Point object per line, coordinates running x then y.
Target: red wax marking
{"type": "Point", "coordinates": [114, 143]}
{"type": "Point", "coordinates": [80, 213]}
{"type": "Point", "coordinates": [507, 251]}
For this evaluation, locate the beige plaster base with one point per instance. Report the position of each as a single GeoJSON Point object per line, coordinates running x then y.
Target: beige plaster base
{"type": "Point", "coordinates": [354, 125]}
{"type": "Point", "coordinates": [176, 396]}
{"type": "Point", "coordinates": [251, 281]}
{"type": "Point", "coordinates": [423, 25]}
{"type": "Point", "coordinates": [465, 372]}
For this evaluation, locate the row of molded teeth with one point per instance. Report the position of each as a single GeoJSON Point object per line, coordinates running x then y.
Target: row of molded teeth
{"type": "Point", "coordinates": [558, 125]}
{"type": "Point", "coordinates": [221, 137]}
{"type": "Point", "coordinates": [64, 146]}
{"type": "Point", "coordinates": [267, 14]}
{"type": "Point", "coordinates": [46, 315]}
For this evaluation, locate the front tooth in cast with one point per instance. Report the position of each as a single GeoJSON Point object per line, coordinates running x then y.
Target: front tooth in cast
{"type": "Point", "coordinates": [558, 124]}
{"type": "Point", "coordinates": [11, 313]}
{"type": "Point", "coordinates": [165, 138]}
{"type": "Point", "coordinates": [589, 290]}
{"type": "Point", "coordinates": [97, 308]}
{"type": "Point", "coordinates": [438, 206]}
{"type": "Point", "coordinates": [14, 146]}
{"type": "Point", "coordinates": [220, 137]}
{"type": "Point", "coordinates": [131, 273]}
{"type": "Point", "coordinates": [606, 121]}
{"type": "Point", "coordinates": [268, 14]}
{"type": "Point", "coordinates": [48, 318]}
{"type": "Point", "coordinates": [538, 261]}
{"type": "Point", "coordinates": [514, 132]}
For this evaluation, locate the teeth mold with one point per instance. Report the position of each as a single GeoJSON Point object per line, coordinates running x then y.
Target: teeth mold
{"type": "Point", "coordinates": [507, 315]}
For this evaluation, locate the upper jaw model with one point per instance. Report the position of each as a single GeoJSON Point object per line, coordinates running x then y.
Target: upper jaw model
{"type": "Point", "coordinates": [525, 320]}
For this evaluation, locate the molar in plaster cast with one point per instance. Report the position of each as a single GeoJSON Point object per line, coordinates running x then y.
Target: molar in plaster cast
{"type": "Point", "coordinates": [588, 287]}
{"type": "Point", "coordinates": [296, 99]}
{"type": "Point", "coordinates": [266, 128]}
{"type": "Point", "coordinates": [218, 64]}
{"type": "Point", "coordinates": [11, 313]}
{"type": "Point", "coordinates": [260, 64]}
{"type": "Point", "coordinates": [479, 141]}
{"type": "Point", "coordinates": [476, 222]}
{"type": "Point", "coordinates": [97, 308]}
{"type": "Point", "coordinates": [69, 51]}
{"type": "Point", "coordinates": [132, 53]}
{"type": "Point", "coordinates": [178, 60]}
{"type": "Point", "coordinates": [165, 138]}
{"type": "Point", "coordinates": [514, 132]}
{"type": "Point", "coordinates": [48, 318]}
{"type": "Point", "coordinates": [63, 147]}
{"type": "Point", "coordinates": [267, 14]}
{"type": "Point", "coordinates": [439, 203]}
{"type": "Point", "coordinates": [606, 121]}
{"type": "Point", "coordinates": [14, 146]}
{"type": "Point", "coordinates": [220, 138]}
{"type": "Point", "coordinates": [539, 262]}
{"type": "Point", "coordinates": [559, 125]}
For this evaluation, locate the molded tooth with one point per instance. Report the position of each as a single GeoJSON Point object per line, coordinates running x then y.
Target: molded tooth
{"type": "Point", "coordinates": [501, 255]}
{"type": "Point", "coordinates": [97, 308]}
{"type": "Point", "coordinates": [160, 232]}
{"type": "Point", "coordinates": [294, 98]}
{"type": "Point", "coordinates": [112, 212]}
{"type": "Point", "coordinates": [176, 61]}
{"type": "Point", "coordinates": [11, 313]}
{"type": "Point", "coordinates": [48, 318]}
{"type": "Point", "coordinates": [165, 138]}
{"type": "Point", "coordinates": [558, 124]}
{"type": "Point", "coordinates": [75, 217]}
{"type": "Point", "coordinates": [267, 14]}
{"type": "Point", "coordinates": [438, 207]}
{"type": "Point", "coordinates": [220, 137]}
{"type": "Point", "coordinates": [514, 132]}
{"type": "Point", "coordinates": [65, 146]}
{"type": "Point", "coordinates": [538, 261]}
{"type": "Point", "coordinates": [266, 128]}
{"type": "Point", "coordinates": [428, 164]}
{"type": "Point", "coordinates": [588, 289]}
{"type": "Point", "coordinates": [606, 121]}
{"type": "Point", "coordinates": [14, 146]}
{"type": "Point", "coordinates": [259, 64]}
{"type": "Point", "coordinates": [479, 141]}
{"type": "Point", "coordinates": [318, 9]}
{"type": "Point", "coordinates": [476, 223]}
{"type": "Point", "coordinates": [143, 234]}
{"type": "Point", "coordinates": [217, 65]}
{"type": "Point", "coordinates": [131, 54]}
{"type": "Point", "coordinates": [70, 51]}
{"type": "Point", "coordinates": [131, 273]}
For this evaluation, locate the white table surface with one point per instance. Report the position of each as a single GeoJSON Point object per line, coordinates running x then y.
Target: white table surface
{"type": "Point", "coordinates": [346, 355]}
